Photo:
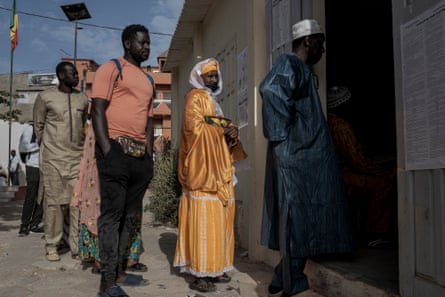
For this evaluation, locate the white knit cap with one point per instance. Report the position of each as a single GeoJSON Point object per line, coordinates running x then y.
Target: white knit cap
{"type": "Point", "coordinates": [337, 96]}
{"type": "Point", "coordinates": [305, 28]}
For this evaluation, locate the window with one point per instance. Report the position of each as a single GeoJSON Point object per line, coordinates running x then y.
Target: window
{"type": "Point", "coordinates": [280, 16]}
{"type": "Point", "coordinates": [158, 130]}
{"type": "Point", "coordinates": [228, 60]}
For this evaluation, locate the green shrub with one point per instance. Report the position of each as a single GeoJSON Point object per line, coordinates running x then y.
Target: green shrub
{"type": "Point", "coordinates": [13, 114]}
{"type": "Point", "coordinates": [165, 190]}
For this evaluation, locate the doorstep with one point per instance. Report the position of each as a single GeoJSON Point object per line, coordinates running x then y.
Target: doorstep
{"type": "Point", "coordinates": [370, 273]}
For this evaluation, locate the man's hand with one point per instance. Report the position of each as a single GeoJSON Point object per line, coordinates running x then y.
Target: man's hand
{"type": "Point", "coordinates": [231, 135]}
{"type": "Point", "coordinates": [100, 124]}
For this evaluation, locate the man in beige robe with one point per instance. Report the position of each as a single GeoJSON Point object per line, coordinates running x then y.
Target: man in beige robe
{"type": "Point", "coordinates": [59, 117]}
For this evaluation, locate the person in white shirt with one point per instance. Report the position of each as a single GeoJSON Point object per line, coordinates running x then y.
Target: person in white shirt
{"type": "Point", "coordinates": [32, 211]}
{"type": "Point", "coordinates": [14, 168]}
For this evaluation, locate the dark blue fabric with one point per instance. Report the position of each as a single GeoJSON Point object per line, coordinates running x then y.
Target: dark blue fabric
{"type": "Point", "coordinates": [305, 208]}
{"type": "Point", "coordinates": [289, 276]}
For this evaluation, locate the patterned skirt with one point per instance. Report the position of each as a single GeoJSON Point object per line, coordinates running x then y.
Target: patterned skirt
{"type": "Point", "coordinates": [89, 243]}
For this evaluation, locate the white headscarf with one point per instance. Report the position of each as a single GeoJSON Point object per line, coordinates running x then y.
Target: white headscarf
{"type": "Point", "coordinates": [197, 82]}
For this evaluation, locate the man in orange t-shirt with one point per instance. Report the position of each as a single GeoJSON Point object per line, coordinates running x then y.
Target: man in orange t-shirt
{"type": "Point", "coordinates": [122, 113]}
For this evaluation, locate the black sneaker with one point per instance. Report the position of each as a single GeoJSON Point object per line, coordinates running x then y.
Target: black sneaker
{"type": "Point", "coordinates": [24, 231]}
{"type": "Point", "coordinates": [36, 229]}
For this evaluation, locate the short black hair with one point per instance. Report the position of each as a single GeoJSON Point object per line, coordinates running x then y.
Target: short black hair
{"type": "Point", "coordinates": [130, 32]}
{"type": "Point", "coordinates": [61, 67]}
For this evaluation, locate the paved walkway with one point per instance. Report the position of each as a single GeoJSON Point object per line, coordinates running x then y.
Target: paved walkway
{"type": "Point", "coordinates": [25, 272]}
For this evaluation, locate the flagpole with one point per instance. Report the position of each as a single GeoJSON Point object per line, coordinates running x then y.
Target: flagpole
{"type": "Point", "coordinates": [11, 77]}
{"type": "Point", "coordinates": [13, 34]}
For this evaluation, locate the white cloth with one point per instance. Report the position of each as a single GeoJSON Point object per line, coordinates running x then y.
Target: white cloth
{"type": "Point", "coordinates": [26, 146]}
{"type": "Point", "coordinates": [196, 81]}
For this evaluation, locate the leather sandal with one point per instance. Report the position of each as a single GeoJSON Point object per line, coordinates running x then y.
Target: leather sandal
{"type": "Point", "coordinates": [52, 255]}
{"type": "Point", "coordinates": [96, 267]}
{"type": "Point", "coordinates": [203, 285]}
{"type": "Point", "coordinates": [224, 278]}
{"type": "Point", "coordinates": [137, 267]}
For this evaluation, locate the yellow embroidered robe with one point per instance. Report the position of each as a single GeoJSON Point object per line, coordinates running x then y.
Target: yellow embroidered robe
{"type": "Point", "coordinates": [205, 244]}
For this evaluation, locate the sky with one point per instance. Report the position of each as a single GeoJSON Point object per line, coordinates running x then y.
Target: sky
{"type": "Point", "coordinates": [46, 35]}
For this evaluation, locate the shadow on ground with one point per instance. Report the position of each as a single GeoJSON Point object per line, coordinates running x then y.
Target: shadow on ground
{"type": "Point", "coordinates": [257, 274]}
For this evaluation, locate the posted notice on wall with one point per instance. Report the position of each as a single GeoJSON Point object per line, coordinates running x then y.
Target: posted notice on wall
{"type": "Point", "coordinates": [423, 79]}
{"type": "Point", "coordinates": [242, 89]}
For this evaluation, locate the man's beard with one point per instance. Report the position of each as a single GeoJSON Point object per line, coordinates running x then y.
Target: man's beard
{"type": "Point", "coordinates": [212, 87]}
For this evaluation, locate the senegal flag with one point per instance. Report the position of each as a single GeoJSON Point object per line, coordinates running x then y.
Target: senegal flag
{"type": "Point", "coordinates": [13, 28]}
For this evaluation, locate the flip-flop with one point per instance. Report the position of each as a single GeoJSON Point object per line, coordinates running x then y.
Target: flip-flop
{"type": "Point", "coordinates": [132, 280]}
{"type": "Point", "coordinates": [203, 285]}
{"type": "Point", "coordinates": [114, 291]}
{"type": "Point", "coordinates": [138, 267]}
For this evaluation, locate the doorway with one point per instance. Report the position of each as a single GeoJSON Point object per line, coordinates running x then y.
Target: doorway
{"type": "Point", "coordinates": [359, 56]}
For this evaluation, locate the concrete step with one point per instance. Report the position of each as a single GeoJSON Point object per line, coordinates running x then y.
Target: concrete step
{"type": "Point", "coordinates": [9, 188]}
{"type": "Point", "coordinates": [8, 193]}
{"type": "Point", "coordinates": [371, 273]}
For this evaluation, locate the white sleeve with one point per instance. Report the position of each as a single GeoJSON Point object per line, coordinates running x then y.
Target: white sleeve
{"type": "Point", "coordinates": [25, 145]}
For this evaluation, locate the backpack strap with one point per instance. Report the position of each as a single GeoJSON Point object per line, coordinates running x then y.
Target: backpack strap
{"type": "Point", "coordinates": [119, 69]}
{"type": "Point", "coordinates": [150, 78]}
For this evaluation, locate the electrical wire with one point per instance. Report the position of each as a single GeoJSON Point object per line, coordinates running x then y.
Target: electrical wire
{"type": "Point", "coordinates": [80, 23]}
